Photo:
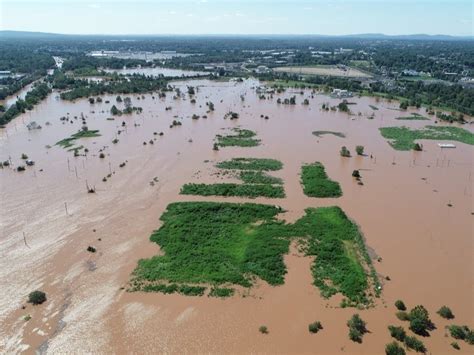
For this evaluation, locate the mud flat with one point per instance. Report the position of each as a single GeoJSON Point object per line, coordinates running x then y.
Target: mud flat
{"type": "Point", "coordinates": [414, 211]}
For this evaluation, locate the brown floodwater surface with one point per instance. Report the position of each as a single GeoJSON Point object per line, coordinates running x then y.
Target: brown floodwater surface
{"type": "Point", "coordinates": [48, 220]}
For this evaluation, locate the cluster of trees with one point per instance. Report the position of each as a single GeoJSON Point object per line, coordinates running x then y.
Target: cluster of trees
{"type": "Point", "coordinates": [38, 93]}
{"type": "Point", "coordinates": [118, 85]}
{"type": "Point", "coordinates": [83, 63]}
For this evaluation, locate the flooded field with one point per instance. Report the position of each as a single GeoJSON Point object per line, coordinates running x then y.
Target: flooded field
{"type": "Point", "coordinates": [325, 70]}
{"type": "Point", "coordinates": [415, 211]}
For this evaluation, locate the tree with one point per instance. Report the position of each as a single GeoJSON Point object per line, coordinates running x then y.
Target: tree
{"type": "Point", "coordinates": [404, 105]}
{"type": "Point", "coordinates": [263, 329]}
{"type": "Point", "coordinates": [394, 349]}
{"type": "Point", "coordinates": [115, 111]}
{"type": "Point", "coordinates": [397, 332]}
{"type": "Point", "coordinates": [37, 297]}
{"type": "Point", "coordinates": [418, 147]}
{"type": "Point", "coordinates": [345, 152]}
{"type": "Point", "coordinates": [420, 322]}
{"type": "Point", "coordinates": [445, 312]}
{"type": "Point", "coordinates": [357, 328]}
{"type": "Point", "coordinates": [315, 327]}
{"type": "Point", "coordinates": [415, 344]}
{"type": "Point", "coordinates": [360, 150]}
{"type": "Point", "coordinates": [400, 305]}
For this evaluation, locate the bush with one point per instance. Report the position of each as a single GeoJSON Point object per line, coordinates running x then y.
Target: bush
{"type": "Point", "coordinates": [397, 332]}
{"type": "Point", "coordinates": [345, 152]}
{"type": "Point", "coordinates": [91, 249]}
{"type": "Point", "coordinates": [315, 327]}
{"type": "Point", "coordinates": [462, 332]}
{"type": "Point", "coordinates": [420, 322]}
{"type": "Point", "coordinates": [101, 155]}
{"type": "Point", "coordinates": [24, 156]}
{"type": "Point", "coordinates": [356, 174]}
{"type": "Point", "coordinates": [355, 335]}
{"type": "Point", "coordinates": [263, 329]}
{"type": "Point", "coordinates": [394, 349]}
{"type": "Point", "coordinates": [360, 150]}
{"type": "Point", "coordinates": [37, 297]}
{"type": "Point", "coordinates": [415, 344]}
{"type": "Point", "coordinates": [455, 345]}
{"type": "Point", "coordinates": [400, 305]}
{"type": "Point", "coordinates": [445, 312]}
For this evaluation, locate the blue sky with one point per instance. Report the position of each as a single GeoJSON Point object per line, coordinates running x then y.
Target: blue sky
{"type": "Point", "coordinates": [328, 17]}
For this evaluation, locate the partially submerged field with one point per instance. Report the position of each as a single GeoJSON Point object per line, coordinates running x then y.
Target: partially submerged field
{"type": "Point", "coordinates": [325, 70]}
{"type": "Point", "coordinates": [412, 217]}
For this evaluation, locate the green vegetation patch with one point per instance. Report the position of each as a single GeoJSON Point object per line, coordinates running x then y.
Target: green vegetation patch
{"type": "Point", "coordinates": [242, 138]}
{"type": "Point", "coordinates": [221, 292]}
{"type": "Point", "coordinates": [403, 138]}
{"type": "Point", "coordinates": [251, 164]}
{"type": "Point", "coordinates": [316, 182]}
{"type": "Point", "coordinates": [229, 243]}
{"type": "Point", "coordinates": [322, 133]}
{"type": "Point", "coordinates": [174, 288]}
{"type": "Point", "coordinates": [231, 189]}
{"type": "Point", "coordinates": [258, 177]}
{"type": "Point", "coordinates": [69, 142]}
{"type": "Point", "coordinates": [256, 183]}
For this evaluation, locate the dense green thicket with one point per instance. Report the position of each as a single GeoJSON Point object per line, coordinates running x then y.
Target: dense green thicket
{"type": "Point", "coordinates": [257, 164]}
{"type": "Point", "coordinates": [403, 138]}
{"type": "Point", "coordinates": [222, 243]}
{"type": "Point", "coordinates": [231, 189]}
{"type": "Point", "coordinates": [258, 177]}
{"type": "Point", "coordinates": [316, 182]}
{"type": "Point", "coordinates": [83, 62]}
{"type": "Point", "coordinates": [242, 138]}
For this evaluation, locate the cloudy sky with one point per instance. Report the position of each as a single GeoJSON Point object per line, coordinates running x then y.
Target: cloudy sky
{"type": "Point", "coordinates": [329, 17]}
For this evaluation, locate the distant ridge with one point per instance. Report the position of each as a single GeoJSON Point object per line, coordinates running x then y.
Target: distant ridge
{"type": "Point", "coordinates": [7, 34]}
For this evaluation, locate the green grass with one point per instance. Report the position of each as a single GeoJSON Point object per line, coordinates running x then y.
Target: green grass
{"type": "Point", "coordinates": [242, 138]}
{"type": "Point", "coordinates": [316, 182]}
{"type": "Point", "coordinates": [258, 177]}
{"type": "Point", "coordinates": [229, 243]}
{"type": "Point", "coordinates": [251, 164]}
{"type": "Point", "coordinates": [403, 138]}
{"type": "Point", "coordinates": [231, 189]}
{"type": "Point", "coordinates": [321, 133]}
{"type": "Point", "coordinates": [69, 142]}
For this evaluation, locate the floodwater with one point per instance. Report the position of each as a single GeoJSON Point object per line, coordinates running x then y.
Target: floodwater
{"type": "Point", "coordinates": [166, 72]}
{"type": "Point", "coordinates": [10, 100]}
{"type": "Point", "coordinates": [48, 219]}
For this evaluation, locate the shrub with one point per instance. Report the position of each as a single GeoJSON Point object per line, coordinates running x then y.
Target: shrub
{"type": "Point", "coordinates": [20, 168]}
{"type": "Point", "coordinates": [397, 332]}
{"type": "Point", "coordinates": [455, 345]}
{"type": "Point", "coordinates": [355, 335]}
{"type": "Point", "coordinates": [263, 329]}
{"type": "Point", "coordinates": [420, 322]}
{"type": "Point", "coordinates": [91, 249]}
{"type": "Point", "coordinates": [345, 152]}
{"type": "Point", "coordinates": [37, 297]}
{"type": "Point", "coordinates": [445, 312]}
{"type": "Point", "coordinates": [400, 305]}
{"type": "Point", "coordinates": [315, 327]}
{"type": "Point", "coordinates": [101, 155]}
{"type": "Point", "coordinates": [415, 344]}
{"type": "Point", "coordinates": [360, 150]}
{"type": "Point", "coordinates": [394, 349]}
{"type": "Point", "coordinates": [24, 156]}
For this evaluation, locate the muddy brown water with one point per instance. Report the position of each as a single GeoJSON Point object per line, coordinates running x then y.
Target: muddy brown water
{"type": "Point", "coordinates": [426, 246]}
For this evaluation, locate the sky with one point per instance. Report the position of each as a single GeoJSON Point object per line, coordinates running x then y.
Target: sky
{"type": "Point", "coordinates": [326, 17]}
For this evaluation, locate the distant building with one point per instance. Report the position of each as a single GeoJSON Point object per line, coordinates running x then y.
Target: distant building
{"type": "Point", "coordinates": [339, 93]}
{"type": "Point", "coordinates": [262, 69]}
